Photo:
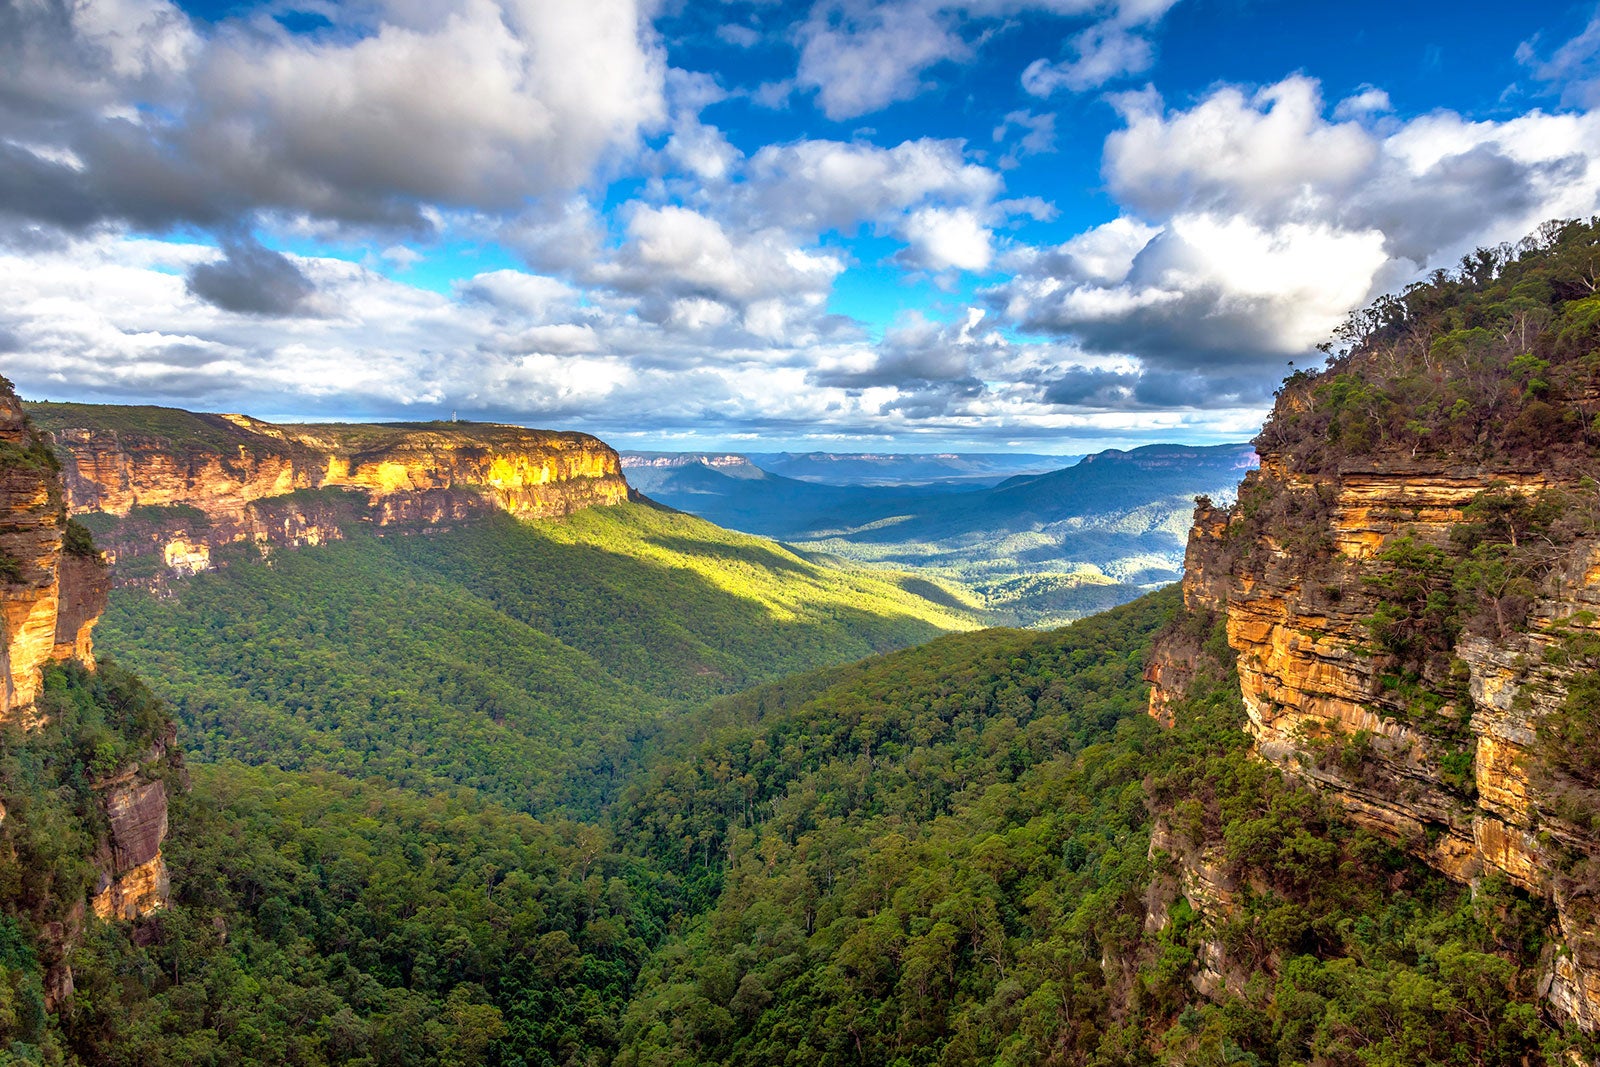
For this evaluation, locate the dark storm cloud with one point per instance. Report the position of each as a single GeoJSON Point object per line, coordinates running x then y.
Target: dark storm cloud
{"type": "Point", "coordinates": [1459, 194]}
{"type": "Point", "coordinates": [251, 279]}
{"type": "Point", "coordinates": [38, 190]}
{"type": "Point", "coordinates": [916, 353]}
{"type": "Point", "coordinates": [1090, 387]}
{"type": "Point", "coordinates": [902, 367]}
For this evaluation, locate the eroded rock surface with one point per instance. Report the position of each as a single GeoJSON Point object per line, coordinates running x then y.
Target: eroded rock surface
{"type": "Point", "coordinates": [184, 484]}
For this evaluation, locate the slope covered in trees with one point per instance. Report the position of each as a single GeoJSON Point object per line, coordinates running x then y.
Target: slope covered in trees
{"type": "Point", "coordinates": [1034, 549]}
{"type": "Point", "coordinates": [941, 855]}
{"type": "Point", "coordinates": [516, 659]}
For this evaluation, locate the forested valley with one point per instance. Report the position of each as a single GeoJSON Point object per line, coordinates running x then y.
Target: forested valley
{"type": "Point", "coordinates": [623, 788]}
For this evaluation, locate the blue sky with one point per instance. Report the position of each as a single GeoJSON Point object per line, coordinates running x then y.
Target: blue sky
{"type": "Point", "coordinates": [910, 225]}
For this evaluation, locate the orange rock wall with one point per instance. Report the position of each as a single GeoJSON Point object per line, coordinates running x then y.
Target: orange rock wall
{"type": "Point", "coordinates": [1308, 677]}
{"type": "Point", "coordinates": [245, 479]}
{"type": "Point", "coordinates": [49, 603]}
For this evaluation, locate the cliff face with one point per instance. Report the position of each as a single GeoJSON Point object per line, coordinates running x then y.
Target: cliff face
{"type": "Point", "coordinates": [49, 598]}
{"type": "Point", "coordinates": [1440, 754]}
{"type": "Point", "coordinates": [133, 873]}
{"type": "Point", "coordinates": [1410, 584]}
{"type": "Point", "coordinates": [53, 588]}
{"type": "Point", "coordinates": [185, 484]}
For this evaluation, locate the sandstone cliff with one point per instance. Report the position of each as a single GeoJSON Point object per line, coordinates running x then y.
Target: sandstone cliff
{"type": "Point", "coordinates": [50, 597]}
{"type": "Point", "coordinates": [1410, 585]}
{"type": "Point", "coordinates": [53, 588]}
{"type": "Point", "coordinates": [175, 486]}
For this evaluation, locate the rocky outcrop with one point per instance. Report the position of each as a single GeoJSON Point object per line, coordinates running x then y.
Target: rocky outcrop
{"type": "Point", "coordinates": [133, 873]}
{"type": "Point", "coordinates": [673, 460]}
{"type": "Point", "coordinates": [1448, 763]}
{"type": "Point", "coordinates": [1204, 590]}
{"type": "Point", "coordinates": [184, 484]}
{"type": "Point", "coordinates": [49, 597]}
{"type": "Point", "coordinates": [53, 588]}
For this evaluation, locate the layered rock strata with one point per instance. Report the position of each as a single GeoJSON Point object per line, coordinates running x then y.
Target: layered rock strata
{"type": "Point", "coordinates": [185, 484]}
{"type": "Point", "coordinates": [49, 598]}
{"type": "Point", "coordinates": [1451, 772]}
{"type": "Point", "coordinates": [133, 873]}
{"type": "Point", "coordinates": [53, 588]}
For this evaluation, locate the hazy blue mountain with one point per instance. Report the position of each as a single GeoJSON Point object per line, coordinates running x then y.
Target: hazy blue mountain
{"type": "Point", "coordinates": [965, 469]}
{"type": "Point", "coordinates": [1038, 548]}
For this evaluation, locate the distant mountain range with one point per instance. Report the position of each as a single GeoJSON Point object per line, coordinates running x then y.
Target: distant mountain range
{"type": "Point", "coordinates": [1036, 548]}
{"type": "Point", "coordinates": [950, 470]}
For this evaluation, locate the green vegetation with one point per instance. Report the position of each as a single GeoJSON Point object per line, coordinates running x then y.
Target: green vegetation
{"type": "Point", "coordinates": [942, 858]}
{"type": "Point", "coordinates": [317, 920]}
{"type": "Point", "coordinates": [1035, 550]}
{"type": "Point", "coordinates": [78, 540]}
{"type": "Point", "coordinates": [194, 433]}
{"type": "Point", "coordinates": [185, 432]}
{"type": "Point", "coordinates": [520, 660]}
{"type": "Point", "coordinates": [1492, 364]}
{"type": "Point", "coordinates": [1484, 584]}
{"type": "Point", "coordinates": [97, 724]}
{"type": "Point", "coordinates": [938, 856]}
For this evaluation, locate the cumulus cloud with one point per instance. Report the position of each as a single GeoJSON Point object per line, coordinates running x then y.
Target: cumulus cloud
{"type": "Point", "coordinates": [113, 318]}
{"type": "Point", "coordinates": [1101, 54]}
{"type": "Point", "coordinates": [833, 185]}
{"type": "Point", "coordinates": [1370, 100]}
{"type": "Point", "coordinates": [1270, 149]}
{"type": "Point", "coordinates": [861, 57]}
{"type": "Point", "coordinates": [944, 238]}
{"type": "Point", "coordinates": [1254, 223]}
{"type": "Point", "coordinates": [520, 293]}
{"type": "Point", "coordinates": [917, 352]}
{"type": "Point", "coordinates": [131, 113]}
{"type": "Point", "coordinates": [695, 254]}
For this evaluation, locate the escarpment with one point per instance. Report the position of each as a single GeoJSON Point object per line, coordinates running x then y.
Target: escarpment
{"type": "Point", "coordinates": [53, 588]}
{"type": "Point", "coordinates": [1410, 587]}
{"type": "Point", "coordinates": [172, 486]}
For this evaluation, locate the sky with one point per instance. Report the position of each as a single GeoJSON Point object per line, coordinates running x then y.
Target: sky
{"type": "Point", "coordinates": [902, 226]}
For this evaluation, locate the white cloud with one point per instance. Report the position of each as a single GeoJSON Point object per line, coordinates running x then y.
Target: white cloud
{"type": "Point", "coordinates": [674, 249]}
{"type": "Point", "coordinates": [520, 292]}
{"type": "Point", "coordinates": [702, 151]}
{"type": "Point", "coordinates": [1102, 53]}
{"type": "Point", "coordinates": [833, 185]}
{"type": "Point", "coordinates": [484, 105]}
{"type": "Point", "coordinates": [942, 238]}
{"type": "Point", "coordinates": [1271, 149]}
{"type": "Point", "coordinates": [94, 55]}
{"type": "Point", "coordinates": [738, 36]}
{"type": "Point", "coordinates": [1254, 224]}
{"type": "Point", "coordinates": [861, 56]}
{"type": "Point", "coordinates": [1369, 101]}
{"type": "Point", "coordinates": [109, 318]}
